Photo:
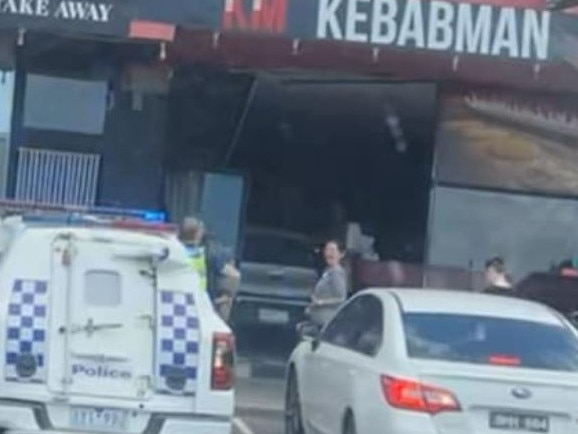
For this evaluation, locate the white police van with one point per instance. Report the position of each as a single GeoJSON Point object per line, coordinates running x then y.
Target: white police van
{"type": "Point", "coordinates": [103, 328]}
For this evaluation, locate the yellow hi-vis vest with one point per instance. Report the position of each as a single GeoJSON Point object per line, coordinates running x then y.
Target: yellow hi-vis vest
{"type": "Point", "coordinates": [198, 260]}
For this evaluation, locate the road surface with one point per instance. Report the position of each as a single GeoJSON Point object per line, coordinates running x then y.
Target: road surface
{"type": "Point", "coordinates": [259, 400]}
{"type": "Point", "coordinates": [260, 380]}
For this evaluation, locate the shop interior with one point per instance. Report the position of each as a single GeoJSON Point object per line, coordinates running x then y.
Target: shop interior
{"type": "Point", "coordinates": [317, 151]}
{"type": "Point", "coordinates": [314, 151]}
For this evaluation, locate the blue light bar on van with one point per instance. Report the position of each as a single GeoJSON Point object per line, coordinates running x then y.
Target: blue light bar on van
{"type": "Point", "coordinates": [90, 220]}
{"type": "Point", "coordinates": [22, 207]}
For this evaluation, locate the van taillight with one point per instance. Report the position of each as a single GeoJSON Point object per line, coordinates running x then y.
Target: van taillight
{"type": "Point", "coordinates": [416, 396]}
{"type": "Point", "coordinates": [223, 368]}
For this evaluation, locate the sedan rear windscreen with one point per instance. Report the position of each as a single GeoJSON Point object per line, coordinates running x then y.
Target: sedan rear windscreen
{"type": "Point", "coordinates": [491, 341]}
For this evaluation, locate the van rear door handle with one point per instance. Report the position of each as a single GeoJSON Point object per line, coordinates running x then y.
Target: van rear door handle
{"type": "Point", "coordinates": [90, 327]}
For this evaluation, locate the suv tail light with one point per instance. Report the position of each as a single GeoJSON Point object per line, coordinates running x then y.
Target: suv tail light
{"type": "Point", "coordinates": [223, 364]}
{"type": "Point", "coordinates": [416, 396]}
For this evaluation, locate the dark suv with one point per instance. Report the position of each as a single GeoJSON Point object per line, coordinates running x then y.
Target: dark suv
{"type": "Point", "coordinates": [278, 277]}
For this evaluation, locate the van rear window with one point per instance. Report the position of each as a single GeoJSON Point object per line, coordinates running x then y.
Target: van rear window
{"type": "Point", "coordinates": [102, 288]}
{"type": "Point", "coordinates": [491, 341]}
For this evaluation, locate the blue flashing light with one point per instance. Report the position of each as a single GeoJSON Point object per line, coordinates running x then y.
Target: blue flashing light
{"type": "Point", "coordinates": [151, 215]}
{"type": "Point", "coordinates": [141, 214]}
{"type": "Point", "coordinates": [89, 220]}
{"type": "Point", "coordinates": [155, 216]}
{"type": "Point", "coordinates": [65, 211]}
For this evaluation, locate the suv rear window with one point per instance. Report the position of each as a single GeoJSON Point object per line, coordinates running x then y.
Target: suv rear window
{"type": "Point", "coordinates": [278, 250]}
{"type": "Point", "coordinates": [490, 340]}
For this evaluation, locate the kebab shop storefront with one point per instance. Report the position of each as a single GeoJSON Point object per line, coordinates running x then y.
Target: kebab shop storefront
{"type": "Point", "coordinates": [372, 111]}
{"type": "Point", "coordinates": [451, 105]}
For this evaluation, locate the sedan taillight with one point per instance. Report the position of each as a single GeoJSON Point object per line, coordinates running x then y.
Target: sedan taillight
{"type": "Point", "coordinates": [414, 395]}
{"type": "Point", "coordinates": [223, 365]}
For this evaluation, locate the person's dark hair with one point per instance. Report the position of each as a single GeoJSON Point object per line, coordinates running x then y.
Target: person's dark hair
{"type": "Point", "coordinates": [339, 244]}
{"type": "Point", "coordinates": [497, 264]}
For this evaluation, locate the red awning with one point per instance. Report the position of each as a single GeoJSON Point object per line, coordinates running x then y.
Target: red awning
{"type": "Point", "coordinates": [243, 50]}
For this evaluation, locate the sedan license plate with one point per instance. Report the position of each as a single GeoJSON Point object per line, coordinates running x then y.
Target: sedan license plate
{"type": "Point", "coordinates": [99, 419]}
{"type": "Point", "coordinates": [519, 422]}
{"type": "Point", "coordinates": [273, 316]}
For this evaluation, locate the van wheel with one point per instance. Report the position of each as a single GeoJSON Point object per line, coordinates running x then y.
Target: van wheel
{"type": "Point", "coordinates": [293, 421]}
{"type": "Point", "coordinates": [349, 424]}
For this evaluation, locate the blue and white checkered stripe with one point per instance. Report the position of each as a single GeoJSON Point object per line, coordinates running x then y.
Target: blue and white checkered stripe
{"type": "Point", "coordinates": [177, 341]}
{"type": "Point", "coordinates": [26, 328]}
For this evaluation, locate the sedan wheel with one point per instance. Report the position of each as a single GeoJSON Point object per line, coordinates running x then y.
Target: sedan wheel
{"type": "Point", "coordinates": [293, 422]}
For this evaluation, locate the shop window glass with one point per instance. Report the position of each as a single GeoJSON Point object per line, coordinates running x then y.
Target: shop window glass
{"type": "Point", "coordinates": [533, 232]}
{"type": "Point", "coordinates": [65, 104]}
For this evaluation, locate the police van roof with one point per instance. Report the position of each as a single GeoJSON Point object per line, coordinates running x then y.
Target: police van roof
{"type": "Point", "coordinates": [59, 215]}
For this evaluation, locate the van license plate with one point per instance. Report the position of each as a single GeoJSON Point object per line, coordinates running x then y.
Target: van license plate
{"type": "Point", "coordinates": [519, 422]}
{"type": "Point", "coordinates": [99, 419]}
{"type": "Point", "coordinates": [273, 316]}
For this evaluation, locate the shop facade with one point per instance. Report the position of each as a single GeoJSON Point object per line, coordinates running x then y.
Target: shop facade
{"type": "Point", "coordinates": [88, 91]}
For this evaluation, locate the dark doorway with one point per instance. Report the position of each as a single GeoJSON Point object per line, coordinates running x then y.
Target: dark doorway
{"type": "Point", "coordinates": [322, 153]}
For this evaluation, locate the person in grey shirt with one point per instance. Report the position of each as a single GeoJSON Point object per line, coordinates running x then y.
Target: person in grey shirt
{"type": "Point", "coordinates": [331, 289]}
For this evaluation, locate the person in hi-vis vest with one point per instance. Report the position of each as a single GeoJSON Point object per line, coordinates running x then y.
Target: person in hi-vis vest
{"type": "Point", "coordinates": [206, 261]}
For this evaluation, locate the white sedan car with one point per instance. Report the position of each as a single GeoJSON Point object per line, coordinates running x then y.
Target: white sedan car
{"type": "Point", "coordinates": [436, 362]}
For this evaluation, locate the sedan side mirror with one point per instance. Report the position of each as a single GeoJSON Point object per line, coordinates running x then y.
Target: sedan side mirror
{"type": "Point", "coordinates": [315, 343]}
{"type": "Point", "coordinates": [308, 331]}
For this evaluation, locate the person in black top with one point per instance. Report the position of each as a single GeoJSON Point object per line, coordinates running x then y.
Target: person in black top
{"type": "Point", "coordinates": [497, 279]}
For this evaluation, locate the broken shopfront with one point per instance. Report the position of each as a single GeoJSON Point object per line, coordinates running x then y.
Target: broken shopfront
{"type": "Point", "coordinates": [497, 45]}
